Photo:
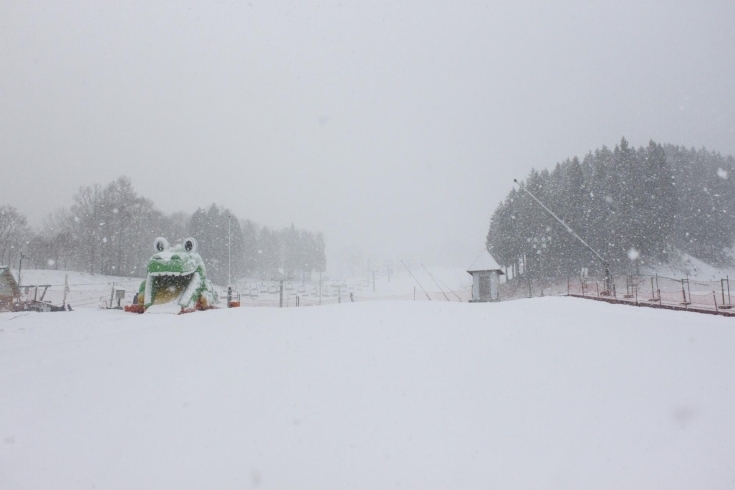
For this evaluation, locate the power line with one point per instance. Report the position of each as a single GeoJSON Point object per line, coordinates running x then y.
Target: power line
{"type": "Point", "coordinates": [417, 281]}
{"type": "Point", "coordinates": [448, 288]}
{"type": "Point", "coordinates": [437, 284]}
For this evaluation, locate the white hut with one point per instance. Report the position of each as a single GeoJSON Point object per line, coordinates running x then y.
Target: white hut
{"type": "Point", "coordinates": [485, 274]}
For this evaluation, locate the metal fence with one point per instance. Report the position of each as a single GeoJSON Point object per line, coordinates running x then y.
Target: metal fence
{"type": "Point", "coordinates": [296, 300]}
{"type": "Point", "coordinates": [688, 294]}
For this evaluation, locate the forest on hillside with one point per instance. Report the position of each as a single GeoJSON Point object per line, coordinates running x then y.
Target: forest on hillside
{"type": "Point", "coordinates": [111, 230]}
{"type": "Point", "coordinates": [635, 206]}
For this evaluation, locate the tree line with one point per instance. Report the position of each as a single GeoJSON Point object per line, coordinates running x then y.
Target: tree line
{"type": "Point", "coordinates": [636, 207]}
{"type": "Point", "coordinates": [110, 230]}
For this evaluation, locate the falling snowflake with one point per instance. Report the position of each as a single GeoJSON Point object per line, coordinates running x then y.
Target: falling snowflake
{"type": "Point", "coordinates": [633, 254]}
{"type": "Point", "coordinates": [722, 173]}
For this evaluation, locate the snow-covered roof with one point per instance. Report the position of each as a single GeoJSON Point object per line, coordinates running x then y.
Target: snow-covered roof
{"type": "Point", "coordinates": [485, 262]}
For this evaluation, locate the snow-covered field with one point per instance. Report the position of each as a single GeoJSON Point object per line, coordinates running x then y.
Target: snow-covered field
{"type": "Point", "coordinates": [541, 393]}
{"type": "Point", "coordinates": [85, 290]}
{"type": "Point", "coordinates": [94, 290]}
{"type": "Point", "coordinates": [455, 283]}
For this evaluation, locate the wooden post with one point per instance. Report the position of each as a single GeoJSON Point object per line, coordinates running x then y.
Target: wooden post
{"type": "Point", "coordinates": [683, 292]}
{"type": "Point", "coordinates": [722, 288]}
{"type": "Point", "coordinates": [280, 301]}
{"type": "Point", "coordinates": [728, 290]}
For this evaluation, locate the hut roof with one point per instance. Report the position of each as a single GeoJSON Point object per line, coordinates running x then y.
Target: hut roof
{"type": "Point", "coordinates": [485, 262]}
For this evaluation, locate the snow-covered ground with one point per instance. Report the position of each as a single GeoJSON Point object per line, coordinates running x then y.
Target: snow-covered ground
{"type": "Point", "coordinates": [94, 290]}
{"type": "Point", "coordinates": [455, 283]}
{"type": "Point", "coordinates": [540, 393]}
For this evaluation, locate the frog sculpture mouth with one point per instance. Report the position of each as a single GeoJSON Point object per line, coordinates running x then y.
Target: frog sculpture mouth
{"type": "Point", "coordinates": [176, 278]}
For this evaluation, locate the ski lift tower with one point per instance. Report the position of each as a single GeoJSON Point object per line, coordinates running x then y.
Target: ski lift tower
{"type": "Point", "coordinates": [605, 263]}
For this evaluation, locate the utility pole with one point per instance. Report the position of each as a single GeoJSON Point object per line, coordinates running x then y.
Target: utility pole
{"type": "Point", "coordinates": [20, 267]}
{"type": "Point", "coordinates": [605, 264]}
{"type": "Point", "coordinates": [373, 281]}
{"type": "Point", "coordinates": [66, 288]}
{"type": "Point", "coordinates": [229, 252]}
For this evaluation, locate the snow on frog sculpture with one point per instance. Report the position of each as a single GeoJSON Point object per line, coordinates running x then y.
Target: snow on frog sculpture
{"type": "Point", "coordinates": [176, 280]}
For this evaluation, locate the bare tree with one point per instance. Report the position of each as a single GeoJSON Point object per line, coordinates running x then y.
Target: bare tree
{"type": "Point", "coordinates": [13, 233]}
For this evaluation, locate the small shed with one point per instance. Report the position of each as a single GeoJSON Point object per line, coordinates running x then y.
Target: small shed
{"type": "Point", "coordinates": [485, 274]}
{"type": "Point", "coordinates": [9, 289]}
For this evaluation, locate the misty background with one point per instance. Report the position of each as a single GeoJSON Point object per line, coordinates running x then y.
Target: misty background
{"type": "Point", "coordinates": [395, 128]}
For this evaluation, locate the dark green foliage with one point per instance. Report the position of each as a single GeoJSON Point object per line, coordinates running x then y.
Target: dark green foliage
{"type": "Point", "coordinates": [647, 200]}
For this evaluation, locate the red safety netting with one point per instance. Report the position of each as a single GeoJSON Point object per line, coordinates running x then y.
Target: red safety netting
{"type": "Point", "coordinates": [681, 293]}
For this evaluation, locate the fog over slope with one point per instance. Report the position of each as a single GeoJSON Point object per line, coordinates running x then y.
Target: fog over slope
{"type": "Point", "coordinates": [395, 127]}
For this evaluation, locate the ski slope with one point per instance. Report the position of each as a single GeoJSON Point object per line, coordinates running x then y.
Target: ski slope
{"type": "Point", "coordinates": [541, 393]}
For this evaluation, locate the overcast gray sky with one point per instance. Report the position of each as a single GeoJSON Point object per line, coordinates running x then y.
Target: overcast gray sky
{"type": "Point", "coordinates": [397, 126]}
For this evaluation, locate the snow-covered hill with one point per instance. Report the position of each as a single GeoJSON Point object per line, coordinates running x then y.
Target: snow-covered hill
{"type": "Point", "coordinates": [682, 265]}
{"type": "Point", "coordinates": [541, 393]}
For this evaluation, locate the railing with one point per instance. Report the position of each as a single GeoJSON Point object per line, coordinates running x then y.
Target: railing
{"type": "Point", "coordinates": [346, 297]}
{"type": "Point", "coordinates": [686, 293]}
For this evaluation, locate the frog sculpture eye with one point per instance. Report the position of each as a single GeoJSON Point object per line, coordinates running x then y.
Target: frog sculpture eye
{"type": "Point", "coordinates": [190, 245]}
{"type": "Point", "coordinates": [160, 244]}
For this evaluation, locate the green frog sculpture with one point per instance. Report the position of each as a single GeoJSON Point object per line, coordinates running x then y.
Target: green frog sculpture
{"type": "Point", "coordinates": [176, 281]}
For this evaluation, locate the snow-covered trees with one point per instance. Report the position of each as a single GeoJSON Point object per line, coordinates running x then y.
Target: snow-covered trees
{"type": "Point", "coordinates": [14, 232]}
{"type": "Point", "coordinates": [648, 200]}
{"type": "Point", "coordinates": [110, 230]}
{"type": "Point", "coordinates": [219, 246]}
